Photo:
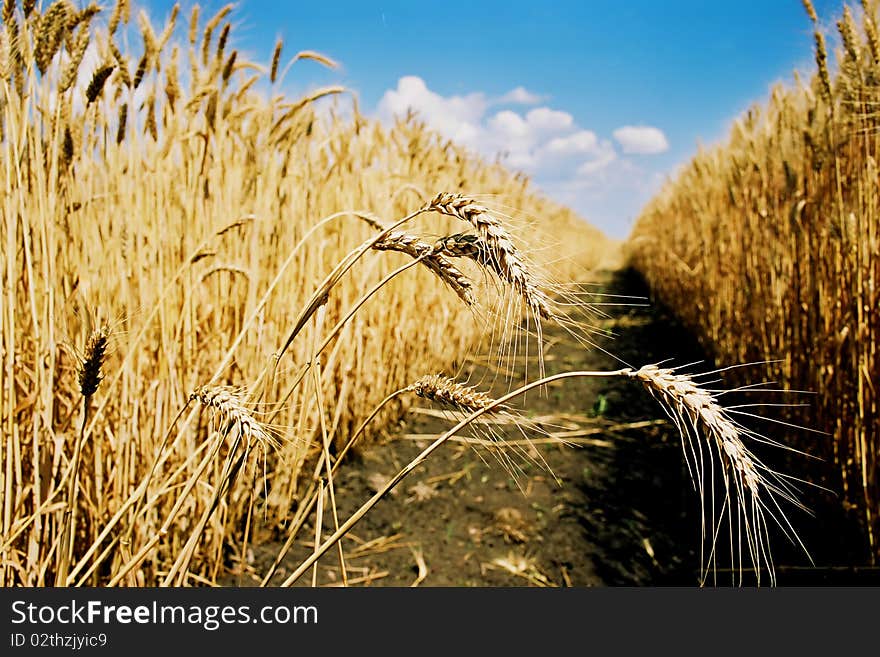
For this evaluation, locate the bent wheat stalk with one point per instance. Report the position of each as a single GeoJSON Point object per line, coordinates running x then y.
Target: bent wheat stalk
{"type": "Point", "coordinates": [430, 449]}
{"type": "Point", "coordinates": [311, 494]}
{"type": "Point", "coordinates": [443, 390]}
{"type": "Point", "coordinates": [682, 398]}
{"type": "Point", "coordinates": [320, 295]}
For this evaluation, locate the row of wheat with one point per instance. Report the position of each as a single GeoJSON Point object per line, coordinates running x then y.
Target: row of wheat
{"type": "Point", "coordinates": [775, 234]}
{"type": "Point", "coordinates": [211, 293]}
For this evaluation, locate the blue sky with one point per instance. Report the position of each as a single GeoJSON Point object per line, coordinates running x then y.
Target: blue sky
{"type": "Point", "coordinates": [597, 100]}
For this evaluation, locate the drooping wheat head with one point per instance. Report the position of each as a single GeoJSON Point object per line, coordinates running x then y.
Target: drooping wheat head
{"type": "Point", "coordinates": [496, 250]}
{"type": "Point", "coordinates": [751, 490]}
{"type": "Point", "coordinates": [436, 262]}
{"type": "Point", "coordinates": [462, 400]}
{"type": "Point", "coordinates": [452, 394]}
{"type": "Point", "coordinates": [230, 406]}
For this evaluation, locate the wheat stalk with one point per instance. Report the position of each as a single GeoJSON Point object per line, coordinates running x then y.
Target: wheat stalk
{"type": "Point", "coordinates": [89, 377]}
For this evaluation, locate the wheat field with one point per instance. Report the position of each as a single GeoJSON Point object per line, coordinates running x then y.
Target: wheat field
{"type": "Point", "coordinates": [768, 246]}
{"type": "Point", "coordinates": [213, 292]}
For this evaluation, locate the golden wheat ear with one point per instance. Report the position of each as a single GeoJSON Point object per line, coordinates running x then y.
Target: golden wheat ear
{"type": "Point", "coordinates": [495, 249]}
{"type": "Point", "coordinates": [462, 400]}
{"type": "Point", "coordinates": [454, 395]}
{"type": "Point", "coordinates": [438, 263]}
{"type": "Point", "coordinates": [229, 405]}
{"type": "Point", "coordinates": [751, 490]}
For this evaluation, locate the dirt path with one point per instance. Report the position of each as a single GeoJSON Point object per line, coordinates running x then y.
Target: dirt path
{"type": "Point", "coordinates": [621, 513]}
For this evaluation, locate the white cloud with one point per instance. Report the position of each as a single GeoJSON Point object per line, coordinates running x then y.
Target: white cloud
{"type": "Point", "coordinates": [520, 96]}
{"type": "Point", "coordinates": [641, 140]}
{"type": "Point", "coordinates": [522, 138]}
{"type": "Point", "coordinates": [457, 117]}
{"type": "Point", "coordinates": [582, 141]}
{"type": "Point", "coordinates": [510, 124]}
{"type": "Point", "coordinates": [549, 120]}
{"type": "Point", "coordinates": [592, 167]}
{"type": "Point", "coordinates": [573, 164]}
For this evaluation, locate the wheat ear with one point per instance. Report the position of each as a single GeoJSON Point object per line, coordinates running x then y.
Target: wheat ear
{"type": "Point", "coordinates": [500, 252]}
{"type": "Point", "coordinates": [97, 83]}
{"type": "Point", "coordinates": [463, 400]}
{"type": "Point", "coordinates": [229, 405]}
{"type": "Point", "coordinates": [53, 27]}
{"type": "Point", "coordinates": [436, 262]}
{"type": "Point", "coordinates": [89, 373]}
{"type": "Point", "coordinates": [749, 485]}
{"type": "Point", "coordinates": [452, 394]}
